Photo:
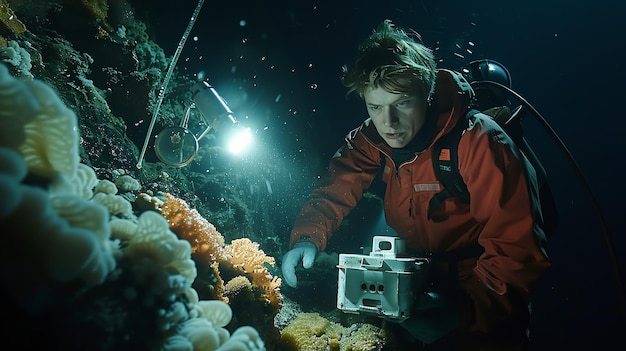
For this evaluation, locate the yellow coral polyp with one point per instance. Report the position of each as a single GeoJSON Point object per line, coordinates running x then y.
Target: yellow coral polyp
{"type": "Point", "coordinates": [237, 285]}
{"type": "Point", "coordinates": [246, 256]}
{"type": "Point", "coordinates": [309, 331]}
{"type": "Point", "coordinates": [9, 20]}
{"type": "Point", "coordinates": [189, 225]}
{"type": "Point", "coordinates": [312, 332]}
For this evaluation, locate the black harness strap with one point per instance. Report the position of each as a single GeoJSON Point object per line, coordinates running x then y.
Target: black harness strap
{"type": "Point", "coordinates": [446, 165]}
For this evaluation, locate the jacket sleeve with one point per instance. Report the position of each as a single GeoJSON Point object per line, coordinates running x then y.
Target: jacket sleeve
{"type": "Point", "coordinates": [352, 170]}
{"type": "Point", "coordinates": [504, 200]}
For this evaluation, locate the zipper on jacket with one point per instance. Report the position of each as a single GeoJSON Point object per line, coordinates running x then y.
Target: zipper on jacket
{"type": "Point", "coordinates": [411, 207]}
{"type": "Point", "coordinates": [409, 161]}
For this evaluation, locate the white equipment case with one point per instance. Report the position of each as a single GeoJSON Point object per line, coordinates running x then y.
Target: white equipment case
{"type": "Point", "coordinates": [381, 284]}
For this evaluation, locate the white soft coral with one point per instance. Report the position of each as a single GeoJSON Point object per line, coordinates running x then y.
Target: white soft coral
{"type": "Point", "coordinates": [40, 248]}
{"type": "Point", "coordinates": [49, 237]}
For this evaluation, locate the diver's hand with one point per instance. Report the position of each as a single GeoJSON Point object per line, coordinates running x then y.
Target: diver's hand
{"type": "Point", "coordinates": [304, 251]}
{"type": "Point", "coordinates": [432, 318]}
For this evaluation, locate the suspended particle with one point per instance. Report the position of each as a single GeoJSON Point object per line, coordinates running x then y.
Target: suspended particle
{"type": "Point", "coordinates": [195, 38]}
{"type": "Point", "coordinates": [313, 86]}
{"type": "Point", "coordinates": [457, 46]}
{"type": "Point", "coordinates": [242, 23]}
{"type": "Point", "coordinates": [458, 55]}
{"type": "Point", "coordinates": [469, 51]}
{"type": "Point", "coordinates": [471, 43]}
{"type": "Point", "coordinates": [278, 97]}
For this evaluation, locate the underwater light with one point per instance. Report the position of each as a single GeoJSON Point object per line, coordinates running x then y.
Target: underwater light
{"type": "Point", "coordinates": [212, 106]}
{"type": "Point", "coordinates": [219, 117]}
{"type": "Point", "coordinates": [240, 140]}
{"type": "Point", "coordinates": [177, 146]}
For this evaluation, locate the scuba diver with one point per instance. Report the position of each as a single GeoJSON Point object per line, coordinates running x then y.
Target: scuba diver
{"type": "Point", "coordinates": [486, 247]}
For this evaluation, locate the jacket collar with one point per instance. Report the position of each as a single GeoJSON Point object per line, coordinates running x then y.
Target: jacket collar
{"type": "Point", "coordinates": [452, 98]}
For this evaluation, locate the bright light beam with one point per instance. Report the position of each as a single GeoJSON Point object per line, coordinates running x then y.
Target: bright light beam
{"type": "Point", "coordinates": [240, 141]}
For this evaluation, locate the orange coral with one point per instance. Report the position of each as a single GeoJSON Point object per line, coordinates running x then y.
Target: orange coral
{"type": "Point", "coordinates": [245, 256]}
{"type": "Point", "coordinates": [218, 287]}
{"type": "Point", "coordinates": [207, 243]}
{"type": "Point", "coordinates": [188, 224]}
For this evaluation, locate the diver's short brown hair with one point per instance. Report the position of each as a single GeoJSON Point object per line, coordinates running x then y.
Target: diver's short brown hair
{"type": "Point", "coordinates": [393, 60]}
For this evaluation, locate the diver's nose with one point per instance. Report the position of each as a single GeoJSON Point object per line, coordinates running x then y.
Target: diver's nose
{"type": "Point", "coordinates": [390, 118]}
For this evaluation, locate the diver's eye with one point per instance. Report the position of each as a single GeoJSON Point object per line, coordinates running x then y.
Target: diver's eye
{"type": "Point", "coordinates": [404, 103]}
{"type": "Point", "coordinates": [373, 107]}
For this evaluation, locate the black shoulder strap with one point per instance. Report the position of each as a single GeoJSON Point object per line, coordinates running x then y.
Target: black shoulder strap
{"type": "Point", "coordinates": [446, 165]}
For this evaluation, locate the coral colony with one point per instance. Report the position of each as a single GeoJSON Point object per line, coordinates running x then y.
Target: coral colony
{"type": "Point", "coordinates": [73, 240]}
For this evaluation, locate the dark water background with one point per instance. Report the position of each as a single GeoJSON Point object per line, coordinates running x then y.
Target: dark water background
{"type": "Point", "coordinates": [280, 69]}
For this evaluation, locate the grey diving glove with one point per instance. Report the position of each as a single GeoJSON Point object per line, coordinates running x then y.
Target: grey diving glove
{"type": "Point", "coordinates": [304, 251]}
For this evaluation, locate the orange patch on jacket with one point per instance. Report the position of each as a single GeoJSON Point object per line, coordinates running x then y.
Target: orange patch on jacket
{"type": "Point", "coordinates": [444, 155]}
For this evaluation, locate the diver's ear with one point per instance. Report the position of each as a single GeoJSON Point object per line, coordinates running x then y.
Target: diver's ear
{"type": "Point", "coordinates": [451, 89]}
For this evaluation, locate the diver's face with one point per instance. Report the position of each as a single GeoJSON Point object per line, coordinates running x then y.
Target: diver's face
{"type": "Point", "coordinates": [397, 117]}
